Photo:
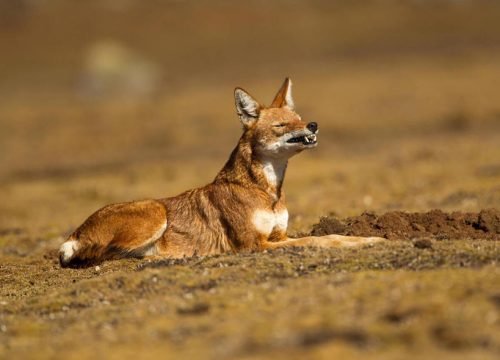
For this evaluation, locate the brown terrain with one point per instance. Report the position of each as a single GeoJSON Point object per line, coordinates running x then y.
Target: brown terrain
{"type": "Point", "coordinates": [111, 101]}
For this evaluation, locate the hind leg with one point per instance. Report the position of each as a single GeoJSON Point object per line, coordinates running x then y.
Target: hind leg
{"type": "Point", "coordinates": [116, 231]}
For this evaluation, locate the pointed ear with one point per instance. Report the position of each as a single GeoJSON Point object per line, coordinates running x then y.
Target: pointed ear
{"type": "Point", "coordinates": [284, 96]}
{"type": "Point", "coordinates": [247, 107]}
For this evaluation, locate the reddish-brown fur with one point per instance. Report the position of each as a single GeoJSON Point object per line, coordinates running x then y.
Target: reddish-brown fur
{"type": "Point", "coordinates": [222, 216]}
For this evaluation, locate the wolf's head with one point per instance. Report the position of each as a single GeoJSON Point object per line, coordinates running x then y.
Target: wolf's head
{"type": "Point", "coordinates": [277, 130]}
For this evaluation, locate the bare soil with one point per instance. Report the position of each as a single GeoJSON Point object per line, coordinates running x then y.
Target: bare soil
{"type": "Point", "coordinates": [400, 225]}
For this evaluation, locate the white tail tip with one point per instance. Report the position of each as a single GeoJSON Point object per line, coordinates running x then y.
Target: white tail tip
{"type": "Point", "coordinates": [67, 251]}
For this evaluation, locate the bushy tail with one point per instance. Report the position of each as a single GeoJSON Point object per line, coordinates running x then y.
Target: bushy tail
{"type": "Point", "coordinates": [74, 253]}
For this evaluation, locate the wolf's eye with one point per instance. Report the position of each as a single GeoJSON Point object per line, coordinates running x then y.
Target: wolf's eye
{"type": "Point", "coordinates": [280, 125]}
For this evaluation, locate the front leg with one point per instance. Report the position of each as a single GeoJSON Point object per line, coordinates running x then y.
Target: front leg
{"type": "Point", "coordinates": [327, 241]}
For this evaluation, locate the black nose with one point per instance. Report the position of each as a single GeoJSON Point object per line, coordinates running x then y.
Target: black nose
{"type": "Point", "coordinates": [312, 126]}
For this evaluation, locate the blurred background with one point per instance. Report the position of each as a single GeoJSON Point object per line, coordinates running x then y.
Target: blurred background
{"type": "Point", "coordinates": [115, 100]}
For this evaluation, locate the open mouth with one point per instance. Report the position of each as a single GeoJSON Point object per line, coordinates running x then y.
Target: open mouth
{"type": "Point", "coordinates": [304, 139]}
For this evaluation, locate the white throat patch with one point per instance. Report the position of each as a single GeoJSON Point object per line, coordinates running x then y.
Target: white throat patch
{"type": "Point", "coordinates": [274, 170]}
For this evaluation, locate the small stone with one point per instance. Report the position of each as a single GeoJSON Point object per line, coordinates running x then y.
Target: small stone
{"type": "Point", "coordinates": [423, 243]}
{"type": "Point", "coordinates": [97, 268]}
{"type": "Point", "coordinates": [194, 309]}
{"type": "Point", "coordinates": [367, 200]}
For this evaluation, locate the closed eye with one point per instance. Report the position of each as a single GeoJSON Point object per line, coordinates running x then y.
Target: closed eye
{"type": "Point", "coordinates": [279, 125]}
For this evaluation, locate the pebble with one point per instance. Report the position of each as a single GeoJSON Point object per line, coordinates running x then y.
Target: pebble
{"type": "Point", "coordinates": [423, 244]}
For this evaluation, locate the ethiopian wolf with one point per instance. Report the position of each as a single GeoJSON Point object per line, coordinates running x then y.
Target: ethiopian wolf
{"type": "Point", "coordinates": [243, 209]}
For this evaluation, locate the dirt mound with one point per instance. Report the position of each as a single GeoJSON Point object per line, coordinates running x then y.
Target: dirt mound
{"type": "Point", "coordinates": [402, 225]}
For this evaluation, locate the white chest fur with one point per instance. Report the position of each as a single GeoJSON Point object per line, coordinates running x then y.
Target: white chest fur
{"type": "Point", "coordinates": [265, 221]}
